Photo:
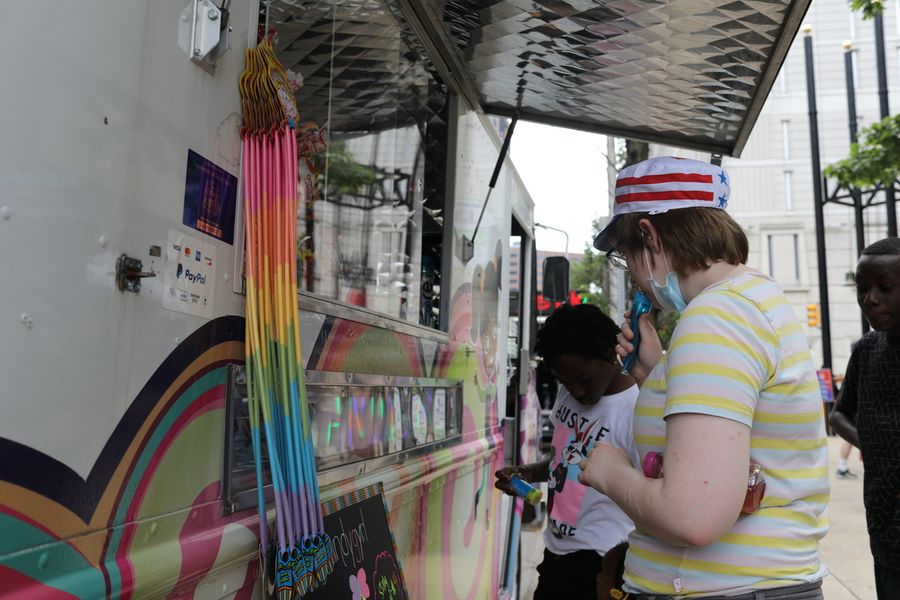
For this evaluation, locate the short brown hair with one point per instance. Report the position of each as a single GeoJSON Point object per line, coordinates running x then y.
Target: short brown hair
{"type": "Point", "coordinates": [695, 237]}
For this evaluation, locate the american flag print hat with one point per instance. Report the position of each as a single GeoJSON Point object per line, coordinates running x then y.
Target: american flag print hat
{"type": "Point", "coordinates": [665, 183]}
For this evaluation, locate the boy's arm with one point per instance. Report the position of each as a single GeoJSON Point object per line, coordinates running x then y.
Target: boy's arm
{"type": "Point", "coordinates": [843, 417]}
{"type": "Point", "coordinates": [844, 426]}
{"type": "Point", "coordinates": [538, 471]}
{"type": "Point", "coordinates": [531, 472]}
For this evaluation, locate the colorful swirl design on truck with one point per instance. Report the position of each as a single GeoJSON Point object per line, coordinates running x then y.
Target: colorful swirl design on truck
{"type": "Point", "coordinates": [147, 522]}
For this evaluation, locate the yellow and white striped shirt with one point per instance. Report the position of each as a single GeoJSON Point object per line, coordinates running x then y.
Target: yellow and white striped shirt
{"type": "Point", "coordinates": [740, 353]}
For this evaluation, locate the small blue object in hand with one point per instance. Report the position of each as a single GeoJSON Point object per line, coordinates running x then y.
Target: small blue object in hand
{"type": "Point", "coordinates": [526, 490]}
{"type": "Point", "coordinates": [639, 306]}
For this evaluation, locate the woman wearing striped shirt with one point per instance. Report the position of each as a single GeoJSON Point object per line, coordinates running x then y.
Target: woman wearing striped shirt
{"type": "Point", "coordinates": [737, 386]}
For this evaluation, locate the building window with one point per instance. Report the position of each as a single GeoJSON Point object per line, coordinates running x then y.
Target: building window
{"type": "Point", "coordinates": [788, 190]}
{"type": "Point", "coordinates": [784, 257]}
{"type": "Point", "coordinates": [786, 139]}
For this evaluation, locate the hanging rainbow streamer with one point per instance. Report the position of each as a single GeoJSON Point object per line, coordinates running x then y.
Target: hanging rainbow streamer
{"type": "Point", "coordinates": [278, 402]}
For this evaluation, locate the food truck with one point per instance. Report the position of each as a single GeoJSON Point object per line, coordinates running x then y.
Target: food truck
{"type": "Point", "coordinates": [127, 468]}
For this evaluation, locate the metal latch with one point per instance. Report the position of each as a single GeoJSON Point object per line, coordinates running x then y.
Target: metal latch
{"type": "Point", "coordinates": [203, 30]}
{"type": "Point", "coordinates": [129, 272]}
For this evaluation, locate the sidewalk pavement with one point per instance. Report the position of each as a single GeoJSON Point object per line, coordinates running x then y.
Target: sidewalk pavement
{"type": "Point", "coordinates": [845, 549]}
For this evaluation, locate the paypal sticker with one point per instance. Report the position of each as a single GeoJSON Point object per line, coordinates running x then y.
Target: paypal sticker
{"type": "Point", "coordinates": [189, 275]}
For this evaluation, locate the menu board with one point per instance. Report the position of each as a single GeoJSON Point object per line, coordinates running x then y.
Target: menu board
{"type": "Point", "coordinates": [367, 565]}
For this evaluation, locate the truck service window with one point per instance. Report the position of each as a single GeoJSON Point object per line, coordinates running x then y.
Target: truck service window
{"type": "Point", "coordinates": [373, 157]}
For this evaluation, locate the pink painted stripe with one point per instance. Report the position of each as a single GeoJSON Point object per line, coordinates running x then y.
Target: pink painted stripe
{"type": "Point", "coordinates": [21, 587]}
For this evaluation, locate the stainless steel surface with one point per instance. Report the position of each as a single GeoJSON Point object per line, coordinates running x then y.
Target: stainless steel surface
{"type": "Point", "coordinates": [335, 308]}
{"type": "Point", "coordinates": [366, 380]}
{"type": "Point", "coordinates": [359, 60]}
{"type": "Point", "coordinates": [371, 465]}
{"type": "Point", "coordinates": [239, 478]}
{"type": "Point", "coordinates": [689, 73]}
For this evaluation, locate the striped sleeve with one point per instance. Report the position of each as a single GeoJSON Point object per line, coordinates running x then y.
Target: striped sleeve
{"type": "Point", "coordinates": [721, 355]}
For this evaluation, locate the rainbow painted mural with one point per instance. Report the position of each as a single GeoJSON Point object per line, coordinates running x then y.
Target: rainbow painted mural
{"type": "Point", "coordinates": [147, 522]}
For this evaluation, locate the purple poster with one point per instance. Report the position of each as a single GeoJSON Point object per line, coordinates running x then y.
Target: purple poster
{"type": "Point", "coordinates": [210, 197]}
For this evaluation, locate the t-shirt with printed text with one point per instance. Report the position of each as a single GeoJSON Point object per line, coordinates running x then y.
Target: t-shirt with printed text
{"type": "Point", "coordinates": [580, 517]}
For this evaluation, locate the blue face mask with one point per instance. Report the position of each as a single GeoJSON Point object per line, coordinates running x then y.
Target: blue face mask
{"type": "Point", "coordinates": [668, 296]}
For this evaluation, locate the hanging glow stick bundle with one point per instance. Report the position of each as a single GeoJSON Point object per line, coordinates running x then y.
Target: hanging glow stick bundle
{"type": "Point", "coordinates": [278, 403]}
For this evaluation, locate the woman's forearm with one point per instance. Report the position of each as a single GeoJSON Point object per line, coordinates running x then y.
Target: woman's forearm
{"type": "Point", "coordinates": [677, 517]}
{"type": "Point", "coordinates": [703, 483]}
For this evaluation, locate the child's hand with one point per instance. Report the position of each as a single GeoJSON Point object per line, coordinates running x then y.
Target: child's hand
{"type": "Point", "coordinates": [650, 350]}
{"type": "Point", "coordinates": [505, 474]}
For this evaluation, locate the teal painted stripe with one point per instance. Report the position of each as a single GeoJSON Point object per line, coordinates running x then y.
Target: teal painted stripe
{"type": "Point", "coordinates": [196, 389]}
{"type": "Point", "coordinates": [50, 561]}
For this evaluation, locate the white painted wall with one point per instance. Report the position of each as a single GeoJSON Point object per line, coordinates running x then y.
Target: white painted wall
{"type": "Point", "coordinates": [99, 108]}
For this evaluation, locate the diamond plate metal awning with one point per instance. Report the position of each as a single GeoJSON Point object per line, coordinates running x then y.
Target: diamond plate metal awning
{"type": "Point", "coordinates": [360, 68]}
{"type": "Point", "coordinates": [689, 73]}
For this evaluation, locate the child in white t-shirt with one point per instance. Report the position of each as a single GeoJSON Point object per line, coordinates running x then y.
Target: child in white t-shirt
{"type": "Point", "coordinates": [595, 402]}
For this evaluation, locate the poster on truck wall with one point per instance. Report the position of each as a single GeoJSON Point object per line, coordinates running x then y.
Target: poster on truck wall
{"type": "Point", "coordinates": [210, 197]}
{"type": "Point", "coordinates": [189, 275]}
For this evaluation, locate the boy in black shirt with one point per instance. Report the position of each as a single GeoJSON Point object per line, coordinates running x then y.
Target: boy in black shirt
{"type": "Point", "coordinates": [868, 409]}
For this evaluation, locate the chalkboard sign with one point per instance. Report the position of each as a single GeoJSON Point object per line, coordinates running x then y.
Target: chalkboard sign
{"type": "Point", "coordinates": [367, 565]}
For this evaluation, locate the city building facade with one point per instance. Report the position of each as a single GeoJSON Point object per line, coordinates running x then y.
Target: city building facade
{"type": "Point", "coordinates": [772, 181]}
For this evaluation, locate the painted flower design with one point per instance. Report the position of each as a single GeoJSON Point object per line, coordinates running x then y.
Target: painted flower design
{"type": "Point", "coordinates": [358, 585]}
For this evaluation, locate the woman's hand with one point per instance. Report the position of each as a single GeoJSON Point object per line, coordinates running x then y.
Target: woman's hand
{"type": "Point", "coordinates": [649, 352]}
{"type": "Point", "coordinates": [505, 474]}
{"type": "Point", "coordinates": [599, 469]}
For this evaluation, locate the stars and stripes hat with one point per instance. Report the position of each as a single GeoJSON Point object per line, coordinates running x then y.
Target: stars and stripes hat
{"type": "Point", "coordinates": [665, 183]}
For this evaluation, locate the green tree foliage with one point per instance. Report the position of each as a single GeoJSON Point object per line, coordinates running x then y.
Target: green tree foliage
{"type": "Point", "coordinates": [876, 158]}
{"type": "Point", "coordinates": [665, 325]}
{"type": "Point", "coordinates": [870, 8]}
{"type": "Point", "coordinates": [591, 270]}
{"type": "Point", "coordinates": [346, 175]}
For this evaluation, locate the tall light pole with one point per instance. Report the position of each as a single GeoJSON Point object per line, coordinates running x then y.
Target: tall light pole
{"type": "Point", "coordinates": [818, 196]}
{"type": "Point", "coordinates": [542, 226]}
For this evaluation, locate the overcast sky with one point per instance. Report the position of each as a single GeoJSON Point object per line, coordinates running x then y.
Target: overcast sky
{"type": "Point", "coordinates": [565, 172]}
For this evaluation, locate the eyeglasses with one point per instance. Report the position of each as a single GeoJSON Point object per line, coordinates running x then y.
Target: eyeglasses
{"type": "Point", "coordinates": [617, 259]}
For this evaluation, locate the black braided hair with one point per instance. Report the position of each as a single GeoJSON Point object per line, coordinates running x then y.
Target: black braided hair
{"type": "Point", "coordinates": [890, 245]}
{"type": "Point", "coordinates": [582, 329]}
